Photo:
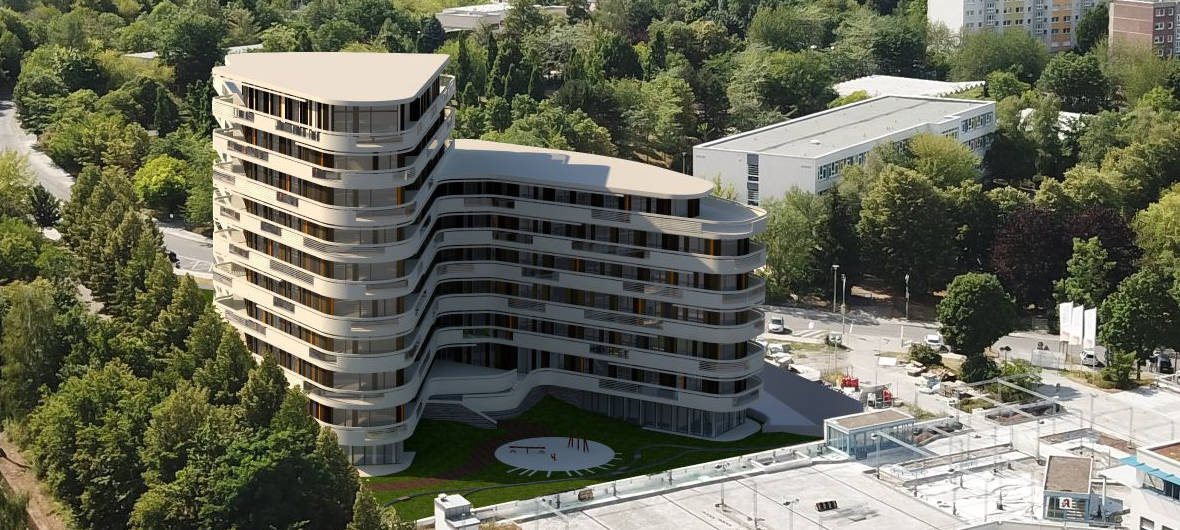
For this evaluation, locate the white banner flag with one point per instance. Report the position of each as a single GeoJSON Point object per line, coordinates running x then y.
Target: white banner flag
{"type": "Point", "coordinates": [1091, 328]}
{"type": "Point", "coordinates": [1064, 317]}
{"type": "Point", "coordinates": [1077, 324]}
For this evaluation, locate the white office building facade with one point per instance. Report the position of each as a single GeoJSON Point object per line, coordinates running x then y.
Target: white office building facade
{"type": "Point", "coordinates": [398, 274]}
{"type": "Point", "coordinates": [808, 153]}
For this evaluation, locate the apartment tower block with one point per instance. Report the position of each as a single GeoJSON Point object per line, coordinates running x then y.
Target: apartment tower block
{"type": "Point", "coordinates": [397, 274]}
{"type": "Point", "coordinates": [1052, 22]}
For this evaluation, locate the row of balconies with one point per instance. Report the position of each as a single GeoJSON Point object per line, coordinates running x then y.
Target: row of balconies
{"type": "Point", "coordinates": [413, 245]}
{"type": "Point", "coordinates": [369, 289]}
{"type": "Point", "coordinates": [230, 141]}
{"type": "Point", "coordinates": [230, 109]}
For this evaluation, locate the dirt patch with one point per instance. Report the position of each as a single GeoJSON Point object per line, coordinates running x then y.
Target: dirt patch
{"type": "Point", "coordinates": [480, 457]}
{"type": "Point", "coordinates": [44, 513]}
{"type": "Point", "coordinates": [1102, 438]}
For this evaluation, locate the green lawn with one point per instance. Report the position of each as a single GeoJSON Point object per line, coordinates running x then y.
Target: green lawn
{"type": "Point", "coordinates": [443, 447]}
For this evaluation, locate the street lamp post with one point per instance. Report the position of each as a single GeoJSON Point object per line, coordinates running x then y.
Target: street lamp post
{"type": "Point", "coordinates": [834, 268]}
{"type": "Point", "coordinates": [843, 299]}
{"type": "Point", "coordinates": [901, 328]}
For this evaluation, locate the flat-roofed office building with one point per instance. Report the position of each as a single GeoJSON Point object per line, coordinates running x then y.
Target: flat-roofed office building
{"type": "Point", "coordinates": [808, 153]}
{"type": "Point", "coordinates": [398, 274]}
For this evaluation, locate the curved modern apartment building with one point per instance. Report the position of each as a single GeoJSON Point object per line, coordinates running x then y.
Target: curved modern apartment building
{"type": "Point", "coordinates": [398, 274]}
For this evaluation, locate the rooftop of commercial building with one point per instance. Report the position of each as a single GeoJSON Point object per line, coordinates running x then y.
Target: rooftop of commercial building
{"type": "Point", "coordinates": [870, 419]}
{"type": "Point", "coordinates": [1169, 450]}
{"type": "Point", "coordinates": [1069, 474]}
{"type": "Point", "coordinates": [888, 85]}
{"type": "Point", "coordinates": [821, 133]}
{"type": "Point", "coordinates": [575, 170]}
{"type": "Point", "coordinates": [338, 78]}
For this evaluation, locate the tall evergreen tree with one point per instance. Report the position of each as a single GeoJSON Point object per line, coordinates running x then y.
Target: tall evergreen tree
{"type": "Point", "coordinates": [264, 392]}
{"type": "Point", "coordinates": [174, 323]}
{"type": "Point", "coordinates": [432, 36]}
{"type": "Point", "coordinates": [166, 117]}
{"type": "Point", "coordinates": [228, 371]}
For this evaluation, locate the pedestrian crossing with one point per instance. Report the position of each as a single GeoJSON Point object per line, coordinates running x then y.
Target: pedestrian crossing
{"type": "Point", "coordinates": [810, 333]}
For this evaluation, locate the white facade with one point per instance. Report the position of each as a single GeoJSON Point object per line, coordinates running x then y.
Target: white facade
{"type": "Point", "coordinates": [808, 153]}
{"type": "Point", "coordinates": [468, 18]}
{"type": "Point", "coordinates": [398, 274]}
{"type": "Point", "coordinates": [1051, 22]}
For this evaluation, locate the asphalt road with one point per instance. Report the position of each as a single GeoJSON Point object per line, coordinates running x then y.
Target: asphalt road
{"type": "Point", "coordinates": [194, 251]}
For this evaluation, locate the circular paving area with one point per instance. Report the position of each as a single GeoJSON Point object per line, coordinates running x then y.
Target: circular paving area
{"type": "Point", "coordinates": [554, 453]}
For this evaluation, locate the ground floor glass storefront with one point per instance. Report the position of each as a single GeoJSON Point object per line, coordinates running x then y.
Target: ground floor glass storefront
{"type": "Point", "coordinates": [660, 416]}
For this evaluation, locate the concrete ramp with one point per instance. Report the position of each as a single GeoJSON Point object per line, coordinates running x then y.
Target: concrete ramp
{"type": "Point", "coordinates": [790, 403]}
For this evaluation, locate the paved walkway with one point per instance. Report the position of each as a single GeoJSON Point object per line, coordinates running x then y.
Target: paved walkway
{"type": "Point", "coordinates": [193, 251]}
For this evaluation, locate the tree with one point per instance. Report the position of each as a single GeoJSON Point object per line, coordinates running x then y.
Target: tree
{"type": "Point", "coordinates": [788, 27]}
{"type": "Point", "coordinates": [171, 328]}
{"type": "Point", "coordinates": [227, 372]}
{"type": "Point", "coordinates": [1091, 28]}
{"type": "Point", "coordinates": [85, 439]}
{"type": "Point", "coordinates": [432, 37]}
{"type": "Point", "coordinates": [852, 97]}
{"type": "Point", "coordinates": [160, 184]}
{"type": "Point", "coordinates": [1029, 254]}
{"type": "Point", "coordinates": [658, 56]}
{"type": "Point", "coordinates": [166, 117]}
{"type": "Point", "coordinates": [264, 391]}
{"type": "Point", "coordinates": [1012, 50]}
{"type": "Point", "coordinates": [795, 264]}
{"type": "Point", "coordinates": [1156, 229]}
{"type": "Point", "coordinates": [1113, 233]}
{"type": "Point", "coordinates": [366, 513]}
{"type": "Point", "coordinates": [191, 45]}
{"type": "Point", "coordinates": [44, 207]}
{"type": "Point", "coordinates": [900, 230]}
{"type": "Point", "coordinates": [1043, 129]}
{"type": "Point", "coordinates": [172, 432]}
{"type": "Point", "coordinates": [1087, 272]}
{"type": "Point", "coordinates": [617, 58]}
{"type": "Point", "coordinates": [1078, 80]}
{"type": "Point", "coordinates": [723, 191]}
{"type": "Point", "coordinates": [898, 47]}
{"type": "Point", "coordinates": [1003, 84]}
{"type": "Point", "coordinates": [1020, 373]}
{"type": "Point", "coordinates": [923, 354]}
{"type": "Point", "coordinates": [942, 159]}
{"type": "Point", "coordinates": [30, 352]}
{"type": "Point", "coordinates": [20, 245]}
{"type": "Point", "coordinates": [557, 128]}
{"type": "Point", "coordinates": [1120, 366]}
{"type": "Point", "coordinates": [975, 313]}
{"type": "Point", "coordinates": [1139, 315]}
{"type": "Point", "coordinates": [978, 367]}
{"type": "Point", "coordinates": [16, 184]}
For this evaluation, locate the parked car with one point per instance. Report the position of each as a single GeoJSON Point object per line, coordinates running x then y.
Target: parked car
{"type": "Point", "coordinates": [934, 340]}
{"type": "Point", "coordinates": [776, 349]}
{"type": "Point", "coordinates": [835, 338]}
{"type": "Point", "coordinates": [914, 369]}
{"type": "Point", "coordinates": [1090, 359]}
{"type": "Point", "coordinates": [777, 326]}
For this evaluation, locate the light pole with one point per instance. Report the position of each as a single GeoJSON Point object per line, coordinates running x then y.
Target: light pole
{"type": "Point", "coordinates": [843, 299]}
{"type": "Point", "coordinates": [834, 268]}
{"type": "Point", "coordinates": [901, 328]}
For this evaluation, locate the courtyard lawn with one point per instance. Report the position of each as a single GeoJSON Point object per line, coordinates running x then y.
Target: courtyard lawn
{"type": "Point", "coordinates": [458, 458]}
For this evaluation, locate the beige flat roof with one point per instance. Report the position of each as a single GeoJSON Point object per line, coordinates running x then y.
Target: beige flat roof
{"type": "Point", "coordinates": [567, 169]}
{"type": "Point", "coordinates": [1068, 474]}
{"type": "Point", "coordinates": [338, 78]}
{"type": "Point", "coordinates": [869, 419]}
